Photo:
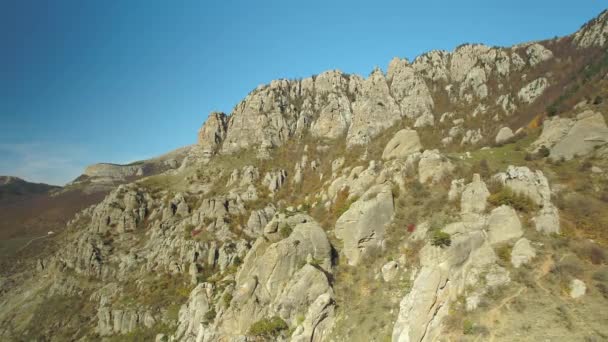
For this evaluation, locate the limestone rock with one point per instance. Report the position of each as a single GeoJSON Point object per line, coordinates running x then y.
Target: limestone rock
{"type": "Point", "coordinates": [522, 253]}
{"type": "Point", "coordinates": [471, 137]}
{"type": "Point", "coordinates": [503, 225]}
{"type": "Point", "coordinates": [362, 226]}
{"type": "Point", "coordinates": [504, 134]}
{"type": "Point", "coordinates": [374, 111]}
{"type": "Point", "coordinates": [410, 91]}
{"type": "Point", "coordinates": [474, 196]}
{"type": "Point", "coordinates": [433, 166]}
{"type": "Point", "coordinates": [404, 143]}
{"type": "Point", "coordinates": [318, 321]}
{"type": "Point", "coordinates": [531, 91]}
{"type": "Point", "coordinates": [547, 219]}
{"type": "Point", "coordinates": [192, 314]}
{"type": "Point", "coordinates": [577, 288]}
{"type": "Point", "coordinates": [588, 131]}
{"type": "Point", "coordinates": [456, 188]}
{"type": "Point", "coordinates": [390, 270]}
{"type": "Point", "coordinates": [422, 310]}
{"type": "Point", "coordinates": [425, 120]}
{"type": "Point", "coordinates": [538, 54]}
{"type": "Point", "coordinates": [212, 133]}
{"type": "Point", "coordinates": [594, 33]}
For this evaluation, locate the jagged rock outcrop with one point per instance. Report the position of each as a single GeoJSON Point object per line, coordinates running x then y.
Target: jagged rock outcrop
{"type": "Point", "coordinates": [403, 143]}
{"type": "Point", "coordinates": [362, 226]}
{"type": "Point", "coordinates": [594, 33]}
{"type": "Point", "coordinates": [410, 91]}
{"type": "Point", "coordinates": [531, 91]}
{"type": "Point", "coordinates": [535, 186]}
{"type": "Point", "coordinates": [277, 279]}
{"type": "Point", "coordinates": [212, 133]}
{"type": "Point", "coordinates": [373, 111]}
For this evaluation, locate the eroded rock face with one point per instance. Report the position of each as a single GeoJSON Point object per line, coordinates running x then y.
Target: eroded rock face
{"type": "Point", "coordinates": [567, 138]}
{"type": "Point", "coordinates": [362, 226]}
{"type": "Point", "coordinates": [212, 133]}
{"type": "Point", "coordinates": [534, 185]}
{"type": "Point", "coordinates": [594, 33]}
{"type": "Point", "coordinates": [531, 91]}
{"type": "Point", "coordinates": [404, 143]}
{"type": "Point", "coordinates": [277, 279]}
{"type": "Point", "coordinates": [374, 111]}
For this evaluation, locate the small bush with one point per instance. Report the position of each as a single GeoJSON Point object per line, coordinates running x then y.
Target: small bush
{"type": "Point", "coordinates": [285, 231]}
{"type": "Point", "coordinates": [210, 315]}
{"type": "Point", "coordinates": [592, 252]}
{"type": "Point", "coordinates": [603, 289]}
{"type": "Point", "coordinates": [467, 327]}
{"type": "Point", "coordinates": [441, 239]}
{"type": "Point", "coordinates": [598, 100]}
{"type": "Point", "coordinates": [268, 327]}
{"type": "Point", "coordinates": [226, 299]}
{"type": "Point", "coordinates": [504, 253]}
{"type": "Point", "coordinates": [543, 152]}
{"type": "Point", "coordinates": [506, 196]}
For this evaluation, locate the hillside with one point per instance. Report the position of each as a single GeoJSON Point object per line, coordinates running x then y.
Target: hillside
{"type": "Point", "coordinates": [462, 196]}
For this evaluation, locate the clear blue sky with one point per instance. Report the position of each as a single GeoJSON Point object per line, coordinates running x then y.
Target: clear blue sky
{"type": "Point", "coordinates": [116, 81]}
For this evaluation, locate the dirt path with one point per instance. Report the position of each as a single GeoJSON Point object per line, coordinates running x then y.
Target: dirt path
{"type": "Point", "coordinates": [30, 242]}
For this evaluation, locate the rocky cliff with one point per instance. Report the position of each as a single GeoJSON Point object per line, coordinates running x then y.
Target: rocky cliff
{"type": "Point", "coordinates": [460, 196]}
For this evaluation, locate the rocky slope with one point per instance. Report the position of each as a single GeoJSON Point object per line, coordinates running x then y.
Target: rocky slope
{"type": "Point", "coordinates": [460, 196]}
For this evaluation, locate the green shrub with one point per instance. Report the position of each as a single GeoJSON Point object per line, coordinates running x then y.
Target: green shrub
{"type": "Point", "coordinates": [268, 327]}
{"type": "Point", "coordinates": [506, 196]}
{"type": "Point", "coordinates": [285, 231]}
{"type": "Point", "coordinates": [504, 253]}
{"type": "Point", "coordinates": [467, 327]}
{"type": "Point", "coordinates": [441, 239]}
{"type": "Point", "coordinates": [227, 298]}
{"type": "Point", "coordinates": [210, 315]}
{"type": "Point", "coordinates": [543, 152]}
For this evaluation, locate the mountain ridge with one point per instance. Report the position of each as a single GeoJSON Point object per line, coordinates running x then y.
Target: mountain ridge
{"type": "Point", "coordinates": [456, 197]}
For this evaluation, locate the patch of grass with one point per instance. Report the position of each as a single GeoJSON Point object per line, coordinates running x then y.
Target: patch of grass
{"type": "Point", "coordinates": [441, 239]}
{"type": "Point", "coordinates": [268, 327]}
{"type": "Point", "coordinates": [518, 201]}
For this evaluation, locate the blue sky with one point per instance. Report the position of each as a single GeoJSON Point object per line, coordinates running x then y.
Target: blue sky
{"type": "Point", "coordinates": [116, 81]}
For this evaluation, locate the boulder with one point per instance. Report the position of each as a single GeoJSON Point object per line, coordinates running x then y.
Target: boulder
{"type": "Point", "coordinates": [362, 226]}
{"type": "Point", "coordinates": [503, 225]}
{"type": "Point", "coordinates": [588, 131]}
{"type": "Point", "coordinates": [390, 270]}
{"type": "Point", "coordinates": [522, 252]}
{"type": "Point", "coordinates": [577, 288]}
{"type": "Point", "coordinates": [404, 143]}
{"type": "Point", "coordinates": [504, 135]}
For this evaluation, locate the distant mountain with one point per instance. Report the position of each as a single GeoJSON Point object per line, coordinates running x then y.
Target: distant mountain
{"type": "Point", "coordinates": [14, 186]}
